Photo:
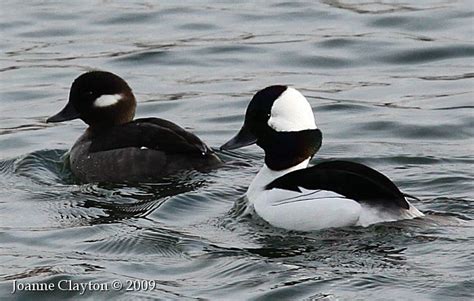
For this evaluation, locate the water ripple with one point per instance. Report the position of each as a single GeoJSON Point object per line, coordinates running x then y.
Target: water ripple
{"type": "Point", "coordinates": [391, 87]}
{"type": "Point", "coordinates": [429, 54]}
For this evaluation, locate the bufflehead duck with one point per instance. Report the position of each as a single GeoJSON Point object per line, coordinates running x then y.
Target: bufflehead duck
{"type": "Point", "coordinates": [116, 148]}
{"type": "Point", "coordinates": [289, 194]}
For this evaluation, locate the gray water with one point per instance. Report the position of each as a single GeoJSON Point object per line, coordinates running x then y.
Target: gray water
{"type": "Point", "coordinates": [391, 84]}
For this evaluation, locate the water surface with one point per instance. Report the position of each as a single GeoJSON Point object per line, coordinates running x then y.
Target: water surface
{"type": "Point", "coordinates": [391, 86]}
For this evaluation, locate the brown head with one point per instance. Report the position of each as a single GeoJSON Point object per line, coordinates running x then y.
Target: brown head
{"type": "Point", "coordinates": [101, 99]}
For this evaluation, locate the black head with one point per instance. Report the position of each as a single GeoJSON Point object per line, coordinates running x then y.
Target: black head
{"type": "Point", "coordinates": [280, 120]}
{"type": "Point", "coordinates": [100, 99]}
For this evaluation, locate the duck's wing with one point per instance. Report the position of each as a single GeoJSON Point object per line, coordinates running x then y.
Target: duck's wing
{"type": "Point", "coordinates": [352, 180]}
{"type": "Point", "coordinates": [151, 133]}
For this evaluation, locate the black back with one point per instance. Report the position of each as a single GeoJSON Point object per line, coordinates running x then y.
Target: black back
{"type": "Point", "coordinates": [152, 133]}
{"type": "Point", "coordinates": [352, 180]}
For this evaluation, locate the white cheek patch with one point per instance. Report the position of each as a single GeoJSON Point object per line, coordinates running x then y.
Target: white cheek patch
{"type": "Point", "coordinates": [107, 100]}
{"type": "Point", "coordinates": [291, 112]}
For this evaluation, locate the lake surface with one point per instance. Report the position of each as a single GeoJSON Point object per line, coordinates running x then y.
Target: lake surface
{"type": "Point", "coordinates": [391, 86]}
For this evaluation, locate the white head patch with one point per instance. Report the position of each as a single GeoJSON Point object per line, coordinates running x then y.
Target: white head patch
{"type": "Point", "coordinates": [107, 100]}
{"type": "Point", "coordinates": [291, 112]}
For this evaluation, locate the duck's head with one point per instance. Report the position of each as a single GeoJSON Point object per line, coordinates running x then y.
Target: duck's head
{"type": "Point", "coordinates": [280, 120]}
{"type": "Point", "coordinates": [100, 99]}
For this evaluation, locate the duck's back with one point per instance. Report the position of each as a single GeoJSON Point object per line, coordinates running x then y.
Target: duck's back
{"type": "Point", "coordinates": [141, 150]}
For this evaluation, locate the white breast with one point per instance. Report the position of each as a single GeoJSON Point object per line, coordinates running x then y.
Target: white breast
{"type": "Point", "coordinates": [267, 175]}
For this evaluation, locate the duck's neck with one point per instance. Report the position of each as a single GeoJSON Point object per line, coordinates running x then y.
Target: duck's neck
{"type": "Point", "coordinates": [100, 128]}
{"type": "Point", "coordinates": [266, 175]}
{"type": "Point", "coordinates": [284, 150]}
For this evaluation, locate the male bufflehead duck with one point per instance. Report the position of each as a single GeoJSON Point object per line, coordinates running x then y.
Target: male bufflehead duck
{"type": "Point", "coordinates": [116, 148]}
{"type": "Point", "coordinates": [287, 193]}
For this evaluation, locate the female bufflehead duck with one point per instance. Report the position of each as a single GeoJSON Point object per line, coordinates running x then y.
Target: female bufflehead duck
{"type": "Point", "coordinates": [289, 194]}
{"type": "Point", "coordinates": [116, 148]}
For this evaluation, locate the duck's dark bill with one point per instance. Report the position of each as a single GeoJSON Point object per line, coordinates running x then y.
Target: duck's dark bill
{"type": "Point", "coordinates": [68, 113]}
{"type": "Point", "coordinates": [243, 138]}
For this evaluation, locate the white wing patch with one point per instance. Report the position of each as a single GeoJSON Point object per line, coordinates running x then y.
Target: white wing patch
{"type": "Point", "coordinates": [107, 100]}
